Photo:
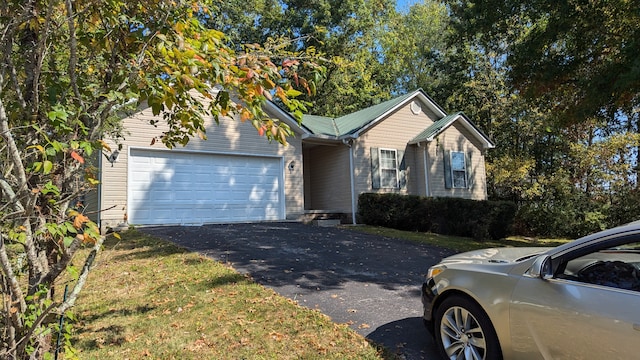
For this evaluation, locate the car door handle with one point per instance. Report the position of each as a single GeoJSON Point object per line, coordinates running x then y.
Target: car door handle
{"type": "Point", "coordinates": [636, 327]}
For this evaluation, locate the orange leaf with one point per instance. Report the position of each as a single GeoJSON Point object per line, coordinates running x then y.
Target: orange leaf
{"type": "Point", "coordinates": [104, 145]}
{"type": "Point", "coordinates": [77, 157]}
{"type": "Point", "coordinates": [79, 220]}
{"type": "Point", "coordinates": [245, 115]}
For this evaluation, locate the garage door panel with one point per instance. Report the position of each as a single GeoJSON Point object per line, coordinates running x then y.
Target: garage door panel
{"type": "Point", "coordinates": [178, 187]}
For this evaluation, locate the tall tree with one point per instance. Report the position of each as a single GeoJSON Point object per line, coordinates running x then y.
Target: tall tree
{"type": "Point", "coordinates": [68, 69]}
{"type": "Point", "coordinates": [570, 139]}
{"type": "Point", "coordinates": [344, 32]}
{"type": "Point", "coordinates": [579, 56]}
{"type": "Point", "coordinates": [415, 50]}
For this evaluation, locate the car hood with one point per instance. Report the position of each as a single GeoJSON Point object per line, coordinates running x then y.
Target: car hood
{"type": "Point", "coordinates": [495, 255]}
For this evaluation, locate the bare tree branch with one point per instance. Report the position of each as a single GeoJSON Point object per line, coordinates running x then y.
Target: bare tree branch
{"type": "Point", "coordinates": [21, 175]}
{"type": "Point", "coordinates": [16, 293]}
{"type": "Point", "coordinates": [71, 299]}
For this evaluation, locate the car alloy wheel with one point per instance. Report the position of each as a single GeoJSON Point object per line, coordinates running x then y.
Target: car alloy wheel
{"type": "Point", "coordinates": [463, 331]}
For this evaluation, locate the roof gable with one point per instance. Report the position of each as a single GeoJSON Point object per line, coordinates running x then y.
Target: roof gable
{"type": "Point", "coordinates": [351, 125]}
{"type": "Point", "coordinates": [320, 125]}
{"type": "Point", "coordinates": [441, 125]}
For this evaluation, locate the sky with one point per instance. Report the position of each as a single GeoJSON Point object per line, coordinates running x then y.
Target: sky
{"type": "Point", "coordinates": [403, 5]}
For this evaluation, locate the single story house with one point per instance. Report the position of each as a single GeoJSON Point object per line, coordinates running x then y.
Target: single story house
{"type": "Point", "coordinates": [406, 145]}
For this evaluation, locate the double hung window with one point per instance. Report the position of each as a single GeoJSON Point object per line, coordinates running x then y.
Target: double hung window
{"type": "Point", "coordinates": [388, 168]}
{"type": "Point", "coordinates": [458, 169]}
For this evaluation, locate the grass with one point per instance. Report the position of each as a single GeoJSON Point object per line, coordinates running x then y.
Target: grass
{"type": "Point", "coordinates": [458, 244]}
{"type": "Point", "coordinates": [147, 298]}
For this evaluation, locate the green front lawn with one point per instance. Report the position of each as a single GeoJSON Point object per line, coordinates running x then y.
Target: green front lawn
{"type": "Point", "coordinates": [457, 244]}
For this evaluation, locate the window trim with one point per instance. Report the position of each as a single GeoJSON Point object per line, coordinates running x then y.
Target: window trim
{"type": "Point", "coordinates": [381, 168]}
{"type": "Point", "coordinates": [463, 170]}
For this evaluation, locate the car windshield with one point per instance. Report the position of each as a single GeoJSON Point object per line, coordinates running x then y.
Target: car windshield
{"type": "Point", "coordinates": [627, 247]}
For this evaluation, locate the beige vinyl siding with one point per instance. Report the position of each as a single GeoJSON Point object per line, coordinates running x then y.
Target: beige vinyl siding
{"type": "Point", "coordinates": [457, 138]}
{"type": "Point", "coordinates": [393, 132]}
{"type": "Point", "coordinates": [229, 137]}
{"type": "Point", "coordinates": [328, 176]}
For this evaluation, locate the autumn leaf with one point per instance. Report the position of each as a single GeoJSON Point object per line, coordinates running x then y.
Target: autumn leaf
{"type": "Point", "coordinates": [276, 336]}
{"type": "Point", "coordinates": [79, 221]}
{"type": "Point", "coordinates": [104, 145]}
{"type": "Point", "coordinates": [245, 115]}
{"type": "Point", "coordinates": [287, 63]}
{"type": "Point", "coordinates": [77, 157]}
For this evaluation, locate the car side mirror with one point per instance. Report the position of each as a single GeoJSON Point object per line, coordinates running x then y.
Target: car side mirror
{"type": "Point", "coordinates": [541, 268]}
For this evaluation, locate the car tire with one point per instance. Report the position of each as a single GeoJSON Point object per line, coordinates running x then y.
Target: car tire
{"type": "Point", "coordinates": [463, 331]}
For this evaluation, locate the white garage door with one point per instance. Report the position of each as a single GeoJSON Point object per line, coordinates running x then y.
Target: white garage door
{"type": "Point", "coordinates": [170, 187]}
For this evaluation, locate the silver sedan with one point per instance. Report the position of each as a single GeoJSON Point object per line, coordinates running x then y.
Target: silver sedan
{"type": "Point", "coordinates": [580, 300]}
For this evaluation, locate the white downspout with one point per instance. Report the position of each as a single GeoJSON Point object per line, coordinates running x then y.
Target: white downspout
{"type": "Point", "coordinates": [426, 170]}
{"type": "Point", "coordinates": [351, 180]}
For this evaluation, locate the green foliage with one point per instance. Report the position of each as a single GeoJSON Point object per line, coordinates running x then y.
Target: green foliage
{"type": "Point", "coordinates": [577, 57]}
{"type": "Point", "coordinates": [69, 71]}
{"type": "Point", "coordinates": [625, 207]}
{"type": "Point", "coordinates": [415, 50]}
{"type": "Point", "coordinates": [346, 33]}
{"type": "Point", "coordinates": [481, 220]}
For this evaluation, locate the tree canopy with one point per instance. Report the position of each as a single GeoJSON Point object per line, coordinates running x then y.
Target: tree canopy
{"type": "Point", "coordinates": [580, 57]}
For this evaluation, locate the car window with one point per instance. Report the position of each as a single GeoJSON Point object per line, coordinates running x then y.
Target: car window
{"type": "Point", "coordinates": [617, 267]}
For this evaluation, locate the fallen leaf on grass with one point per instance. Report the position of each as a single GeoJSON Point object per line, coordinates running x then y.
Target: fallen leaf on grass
{"type": "Point", "coordinates": [276, 336]}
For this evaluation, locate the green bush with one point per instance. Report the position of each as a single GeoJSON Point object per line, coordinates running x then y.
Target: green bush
{"type": "Point", "coordinates": [480, 220]}
{"type": "Point", "coordinates": [625, 207]}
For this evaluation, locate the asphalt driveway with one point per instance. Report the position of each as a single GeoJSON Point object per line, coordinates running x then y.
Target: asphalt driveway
{"type": "Point", "coordinates": [369, 282]}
